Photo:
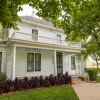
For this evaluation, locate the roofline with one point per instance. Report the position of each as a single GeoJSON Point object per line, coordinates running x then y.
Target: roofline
{"type": "Point", "coordinates": [42, 25]}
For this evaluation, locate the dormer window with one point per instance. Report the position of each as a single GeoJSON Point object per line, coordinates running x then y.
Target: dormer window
{"type": "Point", "coordinates": [34, 35]}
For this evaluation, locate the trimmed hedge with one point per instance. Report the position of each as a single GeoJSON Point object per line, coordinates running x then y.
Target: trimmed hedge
{"type": "Point", "coordinates": [3, 77]}
{"type": "Point", "coordinates": [92, 75]}
{"type": "Point", "coordinates": [34, 82]}
{"type": "Point", "coordinates": [98, 69]}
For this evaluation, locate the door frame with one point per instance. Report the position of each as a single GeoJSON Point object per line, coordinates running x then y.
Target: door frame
{"type": "Point", "coordinates": [60, 54]}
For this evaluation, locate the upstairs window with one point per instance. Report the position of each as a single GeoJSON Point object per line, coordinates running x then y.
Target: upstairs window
{"type": "Point", "coordinates": [73, 63]}
{"type": "Point", "coordinates": [34, 35]}
{"type": "Point", "coordinates": [59, 39]}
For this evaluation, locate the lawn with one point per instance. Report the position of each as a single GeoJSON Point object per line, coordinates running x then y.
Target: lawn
{"type": "Point", "coordinates": [51, 93]}
{"type": "Point", "coordinates": [98, 79]}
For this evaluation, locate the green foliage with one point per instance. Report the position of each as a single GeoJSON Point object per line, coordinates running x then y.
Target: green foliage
{"type": "Point", "coordinates": [9, 10]}
{"type": "Point", "coordinates": [0, 27]}
{"type": "Point", "coordinates": [92, 75]}
{"type": "Point", "coordinates": [98, 69]}
{"type": "Point", "coordinates": [80, 19]}
{"type": "Point", "coordinates": [3, 77]}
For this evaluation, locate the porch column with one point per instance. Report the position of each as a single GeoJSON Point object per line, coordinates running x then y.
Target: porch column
{"type": "Point", "coordinates": [14, 60]}
{"type": "Point", "coordinates": [55, 63]}
{"type": "Point", "coordinates": [82, 65]}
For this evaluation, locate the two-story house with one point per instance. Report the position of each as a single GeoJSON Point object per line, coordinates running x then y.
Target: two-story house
{"type": "Point", "coordinates": [38, 48]}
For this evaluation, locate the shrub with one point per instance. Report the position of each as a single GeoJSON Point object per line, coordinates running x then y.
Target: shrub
{"type": "Point", "coordinates": [92, 74]}
{"type": "Point", "coordinates": [41, 81]}
{"type": "Point", "coordinates": [17, 84]}
{"type": "Point", "coordinates": [46, 82]}
{"type": "Point", "coordinates": [3, 77]}
{"type": "Point", "coordinates": [34, 82]}
{"type": "Point", "coordinates": [52, 80]}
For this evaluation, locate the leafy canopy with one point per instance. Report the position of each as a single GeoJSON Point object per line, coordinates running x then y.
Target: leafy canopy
{"type": "Point", "coordinates": [79, 19]}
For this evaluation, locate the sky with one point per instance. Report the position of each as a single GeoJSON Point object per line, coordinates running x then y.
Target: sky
{"type": "Point", "coordinates": [27, 11]}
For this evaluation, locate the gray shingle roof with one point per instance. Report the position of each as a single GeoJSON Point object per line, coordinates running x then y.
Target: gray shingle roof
{"type": "Point", "coordinates": [36, 20]}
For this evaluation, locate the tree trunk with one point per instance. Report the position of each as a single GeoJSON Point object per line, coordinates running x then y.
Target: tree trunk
{"type": "Point", "coordinates": [3, 32]}
{"type": "Point", "coordinates": [97, 64]}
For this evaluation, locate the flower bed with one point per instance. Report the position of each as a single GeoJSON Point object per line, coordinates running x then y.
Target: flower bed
{"type": "Point", "coordinates": [34, 82]}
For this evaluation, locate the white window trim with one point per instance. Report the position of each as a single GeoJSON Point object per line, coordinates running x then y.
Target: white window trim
{"type": "Point", "coordinates": [34, 62]}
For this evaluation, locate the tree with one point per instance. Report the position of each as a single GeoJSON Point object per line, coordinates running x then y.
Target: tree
{"type": "Point", "coordinates": [79, 19]}
{"type": "Point", "coordinates": [10, 8]}
{"type": "Point", "coordinates": [92, 50]}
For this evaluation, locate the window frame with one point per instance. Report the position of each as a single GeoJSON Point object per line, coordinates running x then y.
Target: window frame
{"type": "Point", "coordinates": [73, 63]}
{"type": "Point", "coordinates": [59, 41]}
{"type": "Point", "coordinates": [40, 62]}
{"type": "Point", "coordinates": [27, 63]}
{"type": "Point", "coordinates": [59, 35]}
{"type": "Point", "coordinates": [35, 36]}
{"type": "Point", "coordinates": [34, 67]}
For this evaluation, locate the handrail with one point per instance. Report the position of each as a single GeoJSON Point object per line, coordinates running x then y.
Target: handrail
{"type": "Point", "coordinates": [54, 40]}
{"type": "Point", "coordinates": [39, 36]}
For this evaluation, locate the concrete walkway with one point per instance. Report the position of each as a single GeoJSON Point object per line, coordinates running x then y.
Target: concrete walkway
{"type": "Point", "coordinates": [87, 91]}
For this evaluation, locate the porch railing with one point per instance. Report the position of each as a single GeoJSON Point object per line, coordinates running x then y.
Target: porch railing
{"type": "Point", "coordinates": [42, 39]}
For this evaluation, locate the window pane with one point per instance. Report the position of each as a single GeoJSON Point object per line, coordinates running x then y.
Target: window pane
{"type": "Point", "coordinates": [37, 61]}
{"type": "Point", "coordinates": [59, 39]}
{"type": "Point", "coordinates": [58, 36]}
{"type": "Point", "coordinates": [35, 35]}
{"type": "Point", "coordinates": [72, 63]}
{"type": "Point", "coordinates": [0, 60]}
{"type": "Point", "coordinates": [30, 62]}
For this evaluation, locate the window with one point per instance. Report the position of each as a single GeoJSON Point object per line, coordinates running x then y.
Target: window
{"type": "Point", "coordinates": [0, 60]}
{"type": "Point", "coordinates": [37, 62]}
{"type": "Point", "coordinates": [33, 59]}
{"type": "Point", "coordinates": [34, 34]}
{"type": "Point", "coordinates": [30, 62]}
{"type": "Point", "coordinates": [59, 39]}
{"type": "Point", "coordinates": [73, 63]}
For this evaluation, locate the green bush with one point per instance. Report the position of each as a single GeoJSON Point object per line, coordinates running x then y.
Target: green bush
{"type": "Point", "coordinates": [98, 69]}
{"type": "Point", "coordinates": [3, 77]}
{"type": "Point", "coordinates": [92, 74]}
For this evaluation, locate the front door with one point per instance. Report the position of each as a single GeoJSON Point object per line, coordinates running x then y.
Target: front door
{"type": "Point", "coordinates": [59, 63]}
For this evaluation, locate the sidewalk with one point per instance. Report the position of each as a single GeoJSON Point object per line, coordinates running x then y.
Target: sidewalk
{"type": "Point", "coordinates": [87, 91]}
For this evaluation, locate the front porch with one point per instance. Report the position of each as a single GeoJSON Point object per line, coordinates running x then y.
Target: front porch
{"type": "Point", "coordinates": [52, 61]}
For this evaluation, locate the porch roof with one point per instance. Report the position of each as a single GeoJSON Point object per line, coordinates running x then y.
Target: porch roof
{"type": "Point", "coordinates": [31, 45]}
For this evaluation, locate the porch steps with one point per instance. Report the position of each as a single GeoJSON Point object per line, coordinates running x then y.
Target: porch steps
{"type": "Point", "coordinates": [77, 81]}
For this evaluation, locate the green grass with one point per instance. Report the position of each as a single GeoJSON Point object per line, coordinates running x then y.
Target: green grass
{"type": "Point", "coordinates": [98, 79]}
{"type": "Point", "coordinates": [51, 93]}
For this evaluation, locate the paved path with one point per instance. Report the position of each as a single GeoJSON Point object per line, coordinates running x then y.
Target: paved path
{"type": "Point", "coordinates": [87, 91]}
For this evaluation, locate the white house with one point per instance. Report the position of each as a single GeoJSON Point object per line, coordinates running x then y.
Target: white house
{"type": "Point", "coordinates": [38, 48]}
